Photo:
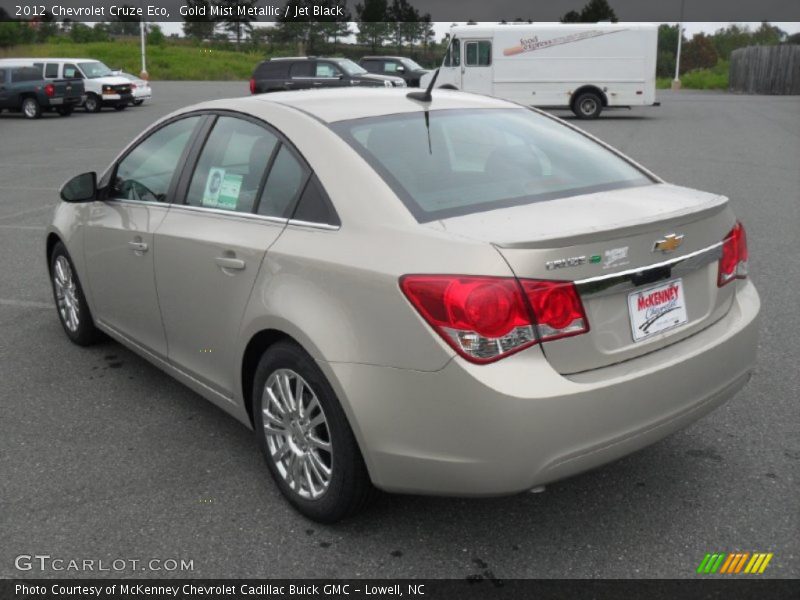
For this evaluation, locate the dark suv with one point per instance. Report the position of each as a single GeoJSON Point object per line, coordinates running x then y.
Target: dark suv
{"type": "Point", "coordinates": [394, 65]}
{"type": "Point", "coordinates": [308, 72]}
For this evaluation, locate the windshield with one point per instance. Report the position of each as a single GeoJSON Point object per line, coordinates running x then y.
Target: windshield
{"type": "Point", "coordinates": [93, 70]}
{"type": "Point", "coordinates": [411, 65]}
{"type": "Point", "coordinates": [349, 67]}
{"type": "Point", "coordinates": [473, 160]}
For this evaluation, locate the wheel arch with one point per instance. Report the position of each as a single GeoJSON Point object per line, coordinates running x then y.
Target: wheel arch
{"type": "Point", "coordinates": [588, 88]}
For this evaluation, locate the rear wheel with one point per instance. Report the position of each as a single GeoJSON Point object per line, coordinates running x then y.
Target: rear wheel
{"type": "Point", "coordinates": [93, 103]}
{"type": "Point", "coordinates": [73, 311]}
{"type": "Point", "coordinates": [587, 105]}
{"type": "Point", "coordinates": [31, 108]}
{"type": "Point", "coordinates": [305, 437]}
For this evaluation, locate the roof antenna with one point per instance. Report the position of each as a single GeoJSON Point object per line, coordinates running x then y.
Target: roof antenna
{"type": "Point", "coordinates": [426, 95]}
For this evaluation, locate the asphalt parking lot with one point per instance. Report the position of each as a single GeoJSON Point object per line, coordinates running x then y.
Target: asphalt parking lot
{"type": "Point", "coordinates": [102, 456]}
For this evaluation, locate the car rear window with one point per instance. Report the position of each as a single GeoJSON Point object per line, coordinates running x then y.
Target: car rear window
{"type": "Point", "coordinates": [447, 163]}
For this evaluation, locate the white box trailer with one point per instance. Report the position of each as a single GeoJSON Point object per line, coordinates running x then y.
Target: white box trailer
{"type": "Point", "coordinates": [583, 66]}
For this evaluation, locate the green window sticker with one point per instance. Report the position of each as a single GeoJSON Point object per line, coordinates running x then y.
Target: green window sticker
{"type": "Point", "coordinates": [222, 189]}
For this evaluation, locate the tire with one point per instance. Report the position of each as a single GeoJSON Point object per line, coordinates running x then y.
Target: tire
{"type": "Point", "coordinates": [93, 104]}
{"type": "Point", "coordinates": [138, 102]}
{"type": "Point", "coordinates": [68, 295]}
{"type": "Point", "coordinates": [65, 111]}
{"type": "Point", "coordinates": [587, 105]}
{"type": "Point", "coordinates": [31, 108]}
{"type": "Point", "coordinates": [120, 106]}
{"type": "Point", "coordinates": [294, 439]}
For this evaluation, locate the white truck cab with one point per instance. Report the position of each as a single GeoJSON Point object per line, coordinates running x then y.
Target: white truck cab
{"type": "Point", "coordinates": [585, 67]}
{"type": "Point", "coordinates": [102, 87]}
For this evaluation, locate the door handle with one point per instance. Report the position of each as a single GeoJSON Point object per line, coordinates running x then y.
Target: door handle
{"type": "Point", "coordinates": [138, 246]}
{"type": "Point", "coordinates": [226, 262]}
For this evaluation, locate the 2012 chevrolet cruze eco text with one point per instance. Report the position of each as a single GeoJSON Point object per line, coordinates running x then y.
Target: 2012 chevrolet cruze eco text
{"type": "Point", "coordinates": [457, 296]}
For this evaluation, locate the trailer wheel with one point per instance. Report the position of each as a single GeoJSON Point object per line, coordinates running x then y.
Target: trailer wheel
{"type": "Point", "coordinates": [587, 105]}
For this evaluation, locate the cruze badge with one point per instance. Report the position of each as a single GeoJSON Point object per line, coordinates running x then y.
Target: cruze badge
{"type": "Point", "coordinates": [670, 243]}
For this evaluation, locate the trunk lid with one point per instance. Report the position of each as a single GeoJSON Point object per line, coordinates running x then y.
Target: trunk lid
{"type": "Point", "coordinates": [605, 242]}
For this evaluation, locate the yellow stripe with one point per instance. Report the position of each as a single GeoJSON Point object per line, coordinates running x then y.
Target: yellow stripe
{"type": "Point", "coordinates": [740, 564]}
{"type": "Point", "coordinates": [766, 562]}
{"type": "Point", "coordinates": [728, 561]}
{"type": "Point", "coordinates": [753, 564]}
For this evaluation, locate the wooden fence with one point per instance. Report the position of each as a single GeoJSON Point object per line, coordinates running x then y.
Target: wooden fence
{"type": "Point", "coordinates": [766, 69]}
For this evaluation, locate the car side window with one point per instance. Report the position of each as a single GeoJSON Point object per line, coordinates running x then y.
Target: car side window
{"type": "Point", "coordinates": [72, 72]}
{"type": "Point", "coordinates": [390, 66]}
{"type": "Point", "coordinates": [232, 165]}
{"type": "Point", "coordinates": [146, 172]}
{"type": "Point", "coordinates": [284, 182]}
{"type": "Point", "coordinates": [325, 69]}
{"type": "Point", "coordinates": [51, 71]}
{"type": "Point", "coordinates": [455, 55]}
{"type": "Point", "coordinates": [301, 69]}
{"type": "Point", "coordinates": [315, 206]}
{"type": "Point", "coordinates": [2, 75]}
{"type": "Point", "coordinates": [479, 54]}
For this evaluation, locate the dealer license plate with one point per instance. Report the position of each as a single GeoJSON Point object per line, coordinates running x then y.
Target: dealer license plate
{"type": "Point", "coordinates": [656, 309]}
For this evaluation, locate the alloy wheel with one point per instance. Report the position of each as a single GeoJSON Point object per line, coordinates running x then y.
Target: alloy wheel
{"type": "Point", "coordinates": [297, 434]}
{"type": "Point", "coordinates": [66, 293]}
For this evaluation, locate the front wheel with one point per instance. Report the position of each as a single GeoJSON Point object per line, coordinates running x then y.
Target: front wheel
{"type": "Point", "coordinates": [31, 108]}
{"type": "Point", "coordinates": [73, 311]}
{"type": "Point", "coordinates": [138, 102]}
{"type": "Point", "coordinates": [304, 435]}
{"type": "Point", "coordinates": [64, 111]}
{"type": "Point", "coordinates": [120, 106]}
{"type": "Point", "coordinates": [587, 105]}
{"type": "Point", "coordinates": [93, 104]}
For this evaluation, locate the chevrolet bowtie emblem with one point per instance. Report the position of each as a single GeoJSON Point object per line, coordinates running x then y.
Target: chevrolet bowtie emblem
{"type": "Point", "coordinates": [670, 243]}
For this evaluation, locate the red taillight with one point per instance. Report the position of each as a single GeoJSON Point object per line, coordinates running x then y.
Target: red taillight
{"type": "Point", "coordinates": [733, 263]}
{"type": "Point", "coordinates": [556, 307]}
{"type": "Point", "coordinates": [49, 90]}
{"type": "Point", "coordinates": [252, 86]}
{"type": "Point", "coordinates": [488, 318]}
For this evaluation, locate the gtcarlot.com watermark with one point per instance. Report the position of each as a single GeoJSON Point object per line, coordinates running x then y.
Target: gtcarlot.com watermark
{"type": "Point", "coordinates": [46, 562]}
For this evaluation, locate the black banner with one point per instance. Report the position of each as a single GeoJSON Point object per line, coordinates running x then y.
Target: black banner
{"type": "Point", "coordinates": [435, 10]}
{"type": "Point", "coordinates": [379, 589]}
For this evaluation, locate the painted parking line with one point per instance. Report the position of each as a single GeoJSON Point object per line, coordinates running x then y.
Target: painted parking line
{"type": "Point", "coordinates": [25, 303]}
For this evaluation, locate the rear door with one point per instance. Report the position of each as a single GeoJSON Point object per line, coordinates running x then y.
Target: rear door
{"type": "Point", "coordinates": [236, 202]}
{"type": "Point", "coordinates": [476, 69]}
{"type": "Point", "coordinates": [118, 238]}
{"type": "Point", "coordinates": [301, 75]}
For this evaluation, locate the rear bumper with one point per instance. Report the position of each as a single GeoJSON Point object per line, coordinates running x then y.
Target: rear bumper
{"type": "Point", "coordinates": [512, 425]}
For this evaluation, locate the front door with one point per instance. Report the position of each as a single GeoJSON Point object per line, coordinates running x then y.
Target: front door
{"type": "Point", "coordinates": [118, 240]}
{"type": "Point", "coordinates": [476, 67]}
{"type": "Point", "coordinates": [209, 248]}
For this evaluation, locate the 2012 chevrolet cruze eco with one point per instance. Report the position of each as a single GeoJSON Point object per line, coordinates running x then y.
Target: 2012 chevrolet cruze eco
{"type": "Point", "coordinates": [458, 297]}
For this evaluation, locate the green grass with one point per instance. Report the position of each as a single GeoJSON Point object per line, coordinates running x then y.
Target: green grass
{"type": "Point", "coordinates": [167, 62]}
{"type": "Point", "coordinates": [715, 78]}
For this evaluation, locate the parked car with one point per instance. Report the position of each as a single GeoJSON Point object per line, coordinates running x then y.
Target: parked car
{"type": "Point", "coordinates": [585, 67]}
{"type": "Point", "coordinates": [140, 88]}
{"type": "Point", "coordinates": [102, 88]}
{"type": "Point", "coordinates": [398, 66]}
{"type": "Point", "coordinates": [22, 89]}
{"type": "Point", "coordinates": [307, 72]}
{"type": "Point", "coordinates": [458, 297]}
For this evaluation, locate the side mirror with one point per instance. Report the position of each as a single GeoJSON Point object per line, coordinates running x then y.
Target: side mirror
{"type": "Point", "coordinates": [81, 188]}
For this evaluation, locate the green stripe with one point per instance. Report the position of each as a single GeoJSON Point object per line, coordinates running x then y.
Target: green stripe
{"type": "Point", "coordinates": [702, 566]}
{"type": "Point", "coordinates": [711, 563]}
{"type": "Point", "coordinates": [718, 564]}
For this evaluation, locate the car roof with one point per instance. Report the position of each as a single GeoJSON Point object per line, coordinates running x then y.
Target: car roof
{"type": "Point", "coordinates": [48, 59]}
{"type": "Point", "coordinates": [341, 104]}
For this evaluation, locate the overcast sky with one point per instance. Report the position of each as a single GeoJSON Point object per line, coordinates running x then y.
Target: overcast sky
{"type": "Point", "coordinates": [442, 27]}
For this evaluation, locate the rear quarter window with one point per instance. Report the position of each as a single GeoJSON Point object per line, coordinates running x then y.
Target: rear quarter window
{"type": "Point", "coordinates": [26, 74]}
{"type": "Point", "coordinates": [272, 70]}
